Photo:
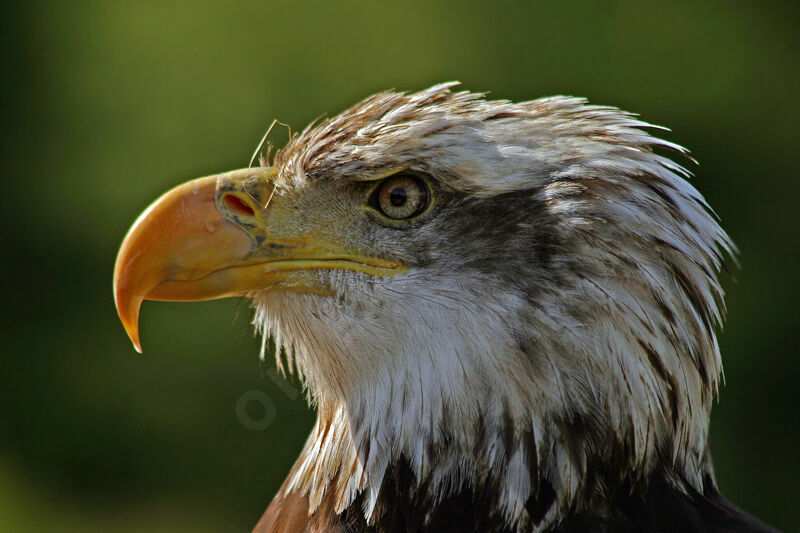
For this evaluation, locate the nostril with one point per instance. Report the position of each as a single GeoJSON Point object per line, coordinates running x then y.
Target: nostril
{"type": "Point", "coordinates": [237, 206]}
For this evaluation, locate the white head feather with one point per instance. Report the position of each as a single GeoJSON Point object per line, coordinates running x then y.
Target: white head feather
{"type": "Point", "coordinates": [531, 370]}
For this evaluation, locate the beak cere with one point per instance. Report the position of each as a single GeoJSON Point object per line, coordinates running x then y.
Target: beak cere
{"type": "Point", "coordinates": [210, 238]}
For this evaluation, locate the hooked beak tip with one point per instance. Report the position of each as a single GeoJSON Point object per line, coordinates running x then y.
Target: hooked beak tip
{"type": "Point", "coordinates": [128, 306]}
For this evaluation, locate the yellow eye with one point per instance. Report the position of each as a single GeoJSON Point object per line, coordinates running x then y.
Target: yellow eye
{"type": "Point", "coordinates": [401, 196]}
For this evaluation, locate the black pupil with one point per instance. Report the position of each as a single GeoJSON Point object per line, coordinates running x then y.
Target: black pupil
{"type": "Point", "coordinates": [398, 196]}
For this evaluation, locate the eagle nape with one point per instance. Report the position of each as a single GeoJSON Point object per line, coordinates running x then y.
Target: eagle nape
{"type": "Point", "coordinates": [506, 314]}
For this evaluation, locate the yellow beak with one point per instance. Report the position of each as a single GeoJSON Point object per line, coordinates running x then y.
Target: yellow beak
{"type": "Point", "coordinates": [211, 238]}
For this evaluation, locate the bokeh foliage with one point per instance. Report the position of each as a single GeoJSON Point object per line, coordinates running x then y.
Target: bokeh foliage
{"type": "Point", "coordinates": [106, 105]}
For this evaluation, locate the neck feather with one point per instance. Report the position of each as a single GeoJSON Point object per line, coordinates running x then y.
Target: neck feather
{"type": "Point", "coordinates": [478, 397]}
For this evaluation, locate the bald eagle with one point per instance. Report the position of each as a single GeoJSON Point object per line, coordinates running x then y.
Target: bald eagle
{"type": "Point", "coordinates": [505, 314]}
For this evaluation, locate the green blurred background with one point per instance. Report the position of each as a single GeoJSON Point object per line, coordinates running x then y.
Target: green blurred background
{"type": "Point", "coordinates": [106, 105]}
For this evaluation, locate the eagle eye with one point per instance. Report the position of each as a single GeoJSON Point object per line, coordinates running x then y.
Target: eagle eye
{"type": "Point", "coordinates": [400, 197]}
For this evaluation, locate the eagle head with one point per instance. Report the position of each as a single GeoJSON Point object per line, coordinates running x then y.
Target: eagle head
{"type": "Point", "coordinates": [514, 301]}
